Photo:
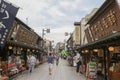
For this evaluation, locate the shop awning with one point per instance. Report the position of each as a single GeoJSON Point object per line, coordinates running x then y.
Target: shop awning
{"type": "Point", "coordinates": [112, 40]}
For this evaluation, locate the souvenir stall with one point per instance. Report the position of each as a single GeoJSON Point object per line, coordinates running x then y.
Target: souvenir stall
{"type": "Point", "coordinates": [16, 61]}
{"type": "Point", "coordinates": [114, 63]}
{"type": "Point", "coordinates": [105, 20]}
{"type": "Point", "coordinates": [85, 59]}
{"type": "Point", "coordinates": [3, 66]}
{"type": "Point", "coordinates": [20, 41]}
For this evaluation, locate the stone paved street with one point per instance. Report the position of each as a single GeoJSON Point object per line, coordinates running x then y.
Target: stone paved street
{"type": "Point", "coordinates": [61, 72]}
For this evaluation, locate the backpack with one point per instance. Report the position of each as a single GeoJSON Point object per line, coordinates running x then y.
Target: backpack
{"type": "Point", "coordinates": [79, 62]}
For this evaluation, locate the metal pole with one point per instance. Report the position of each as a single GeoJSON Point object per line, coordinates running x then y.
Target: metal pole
{"type": "Point", "coordinates": [43, 33]}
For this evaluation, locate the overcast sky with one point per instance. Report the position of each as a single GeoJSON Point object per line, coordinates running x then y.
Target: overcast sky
{"type": "Point", "coordinates": [58, 15]}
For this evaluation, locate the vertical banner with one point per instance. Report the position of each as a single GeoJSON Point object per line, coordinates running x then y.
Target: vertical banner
{"type": "Point", "coordinates": [7, 16]}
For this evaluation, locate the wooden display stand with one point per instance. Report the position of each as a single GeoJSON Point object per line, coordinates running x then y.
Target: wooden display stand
{"type": "Point", "coordinates": [114, 75]}
{"type": "Point", "coordinates": [91, 70]}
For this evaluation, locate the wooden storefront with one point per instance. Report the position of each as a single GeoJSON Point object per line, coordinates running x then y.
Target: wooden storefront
{"type": "Point", "coordinates": [103, 34]}
{"type": "Point", "coordinates": [21, 41]}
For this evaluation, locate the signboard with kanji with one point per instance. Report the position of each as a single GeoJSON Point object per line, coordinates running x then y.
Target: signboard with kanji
{"type": "Point", "coordinates": [7, 15]}
{"type": "Point", "coordinates": [25, 36]}
{"type": "Point", "coordinates": [108, 21]}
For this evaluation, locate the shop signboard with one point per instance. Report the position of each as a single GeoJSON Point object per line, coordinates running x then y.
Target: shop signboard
{"type": "Point", "coordinates": [107, 22]}
{"type": "Point", "coordinates": [26, 36]}
{"type": "Point", "coordinates": [76, 36]}
{"type": "Point", "coordinates": [7, 15]}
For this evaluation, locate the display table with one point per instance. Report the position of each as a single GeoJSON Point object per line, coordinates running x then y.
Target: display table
{"type": "Point", "coordinates": [114, 75]}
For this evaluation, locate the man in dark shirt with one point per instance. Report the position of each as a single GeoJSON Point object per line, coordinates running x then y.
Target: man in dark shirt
{"type": "Point", "coordinates": [50, 63]}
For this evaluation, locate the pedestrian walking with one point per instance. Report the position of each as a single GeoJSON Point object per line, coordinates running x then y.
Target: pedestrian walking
{"type": "Point", "coordinates": [57, 59]}
{"type": "Point", "coordinates": [78, 62]}
{"type": "Point", "coordinates": [78, 65]}
{"type": "Point", "coordinates": [31, 62]}
{"type": "Point", "coordinates": [50, 63]}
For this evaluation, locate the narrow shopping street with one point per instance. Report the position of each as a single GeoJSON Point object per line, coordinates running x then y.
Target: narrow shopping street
{"type": "Point", "coordinates": [61, 72]}
{"type": "Point", "coordinates": [84, 33]}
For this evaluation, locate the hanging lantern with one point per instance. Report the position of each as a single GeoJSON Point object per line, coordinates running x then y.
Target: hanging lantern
{"type": "Point", "coordinates": [86, 51]}
{"type": "Point", "coordinates": [28, 50]}
{"type": "Point", "coordinates": [83, 51]}
{"type": "Point", "coordinates": [33, 50]}
{"type": "Point", "coordinates": [111, 48]}
{"type": "Point", "coordinates": [10, 47]}
{"type": "Point", "coordinates": [95, 50]}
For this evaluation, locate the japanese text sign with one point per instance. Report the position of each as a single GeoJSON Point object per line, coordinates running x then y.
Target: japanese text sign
{"type": "Point", "coordinates": [7, 15]}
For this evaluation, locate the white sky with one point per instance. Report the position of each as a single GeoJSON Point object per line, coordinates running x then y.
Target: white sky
{"type": "Point", "coordinates": [58, 15]}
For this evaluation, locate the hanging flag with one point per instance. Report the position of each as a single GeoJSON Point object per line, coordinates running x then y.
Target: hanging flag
{"type": "Point", "coordinates": [63, 52]}
{"type": "Point", "coordinates": [7, 16]}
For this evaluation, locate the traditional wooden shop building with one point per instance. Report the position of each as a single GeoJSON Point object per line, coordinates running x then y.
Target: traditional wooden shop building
{"type": "Point", "coordinates": [103, 36]}
{"type": "Point", "coordinates": [21, 41]}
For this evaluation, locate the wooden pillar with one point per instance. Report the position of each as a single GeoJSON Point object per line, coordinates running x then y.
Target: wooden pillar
{"type": "Point", "coordinates": [105, 61]}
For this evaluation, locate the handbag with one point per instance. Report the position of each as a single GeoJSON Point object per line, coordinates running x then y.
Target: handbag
{"type": "Point", "coordinates": [79, 62]}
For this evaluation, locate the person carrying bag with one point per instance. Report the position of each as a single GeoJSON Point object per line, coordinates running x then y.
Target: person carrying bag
{"type": "Point", "coordinates": [78, 65]}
